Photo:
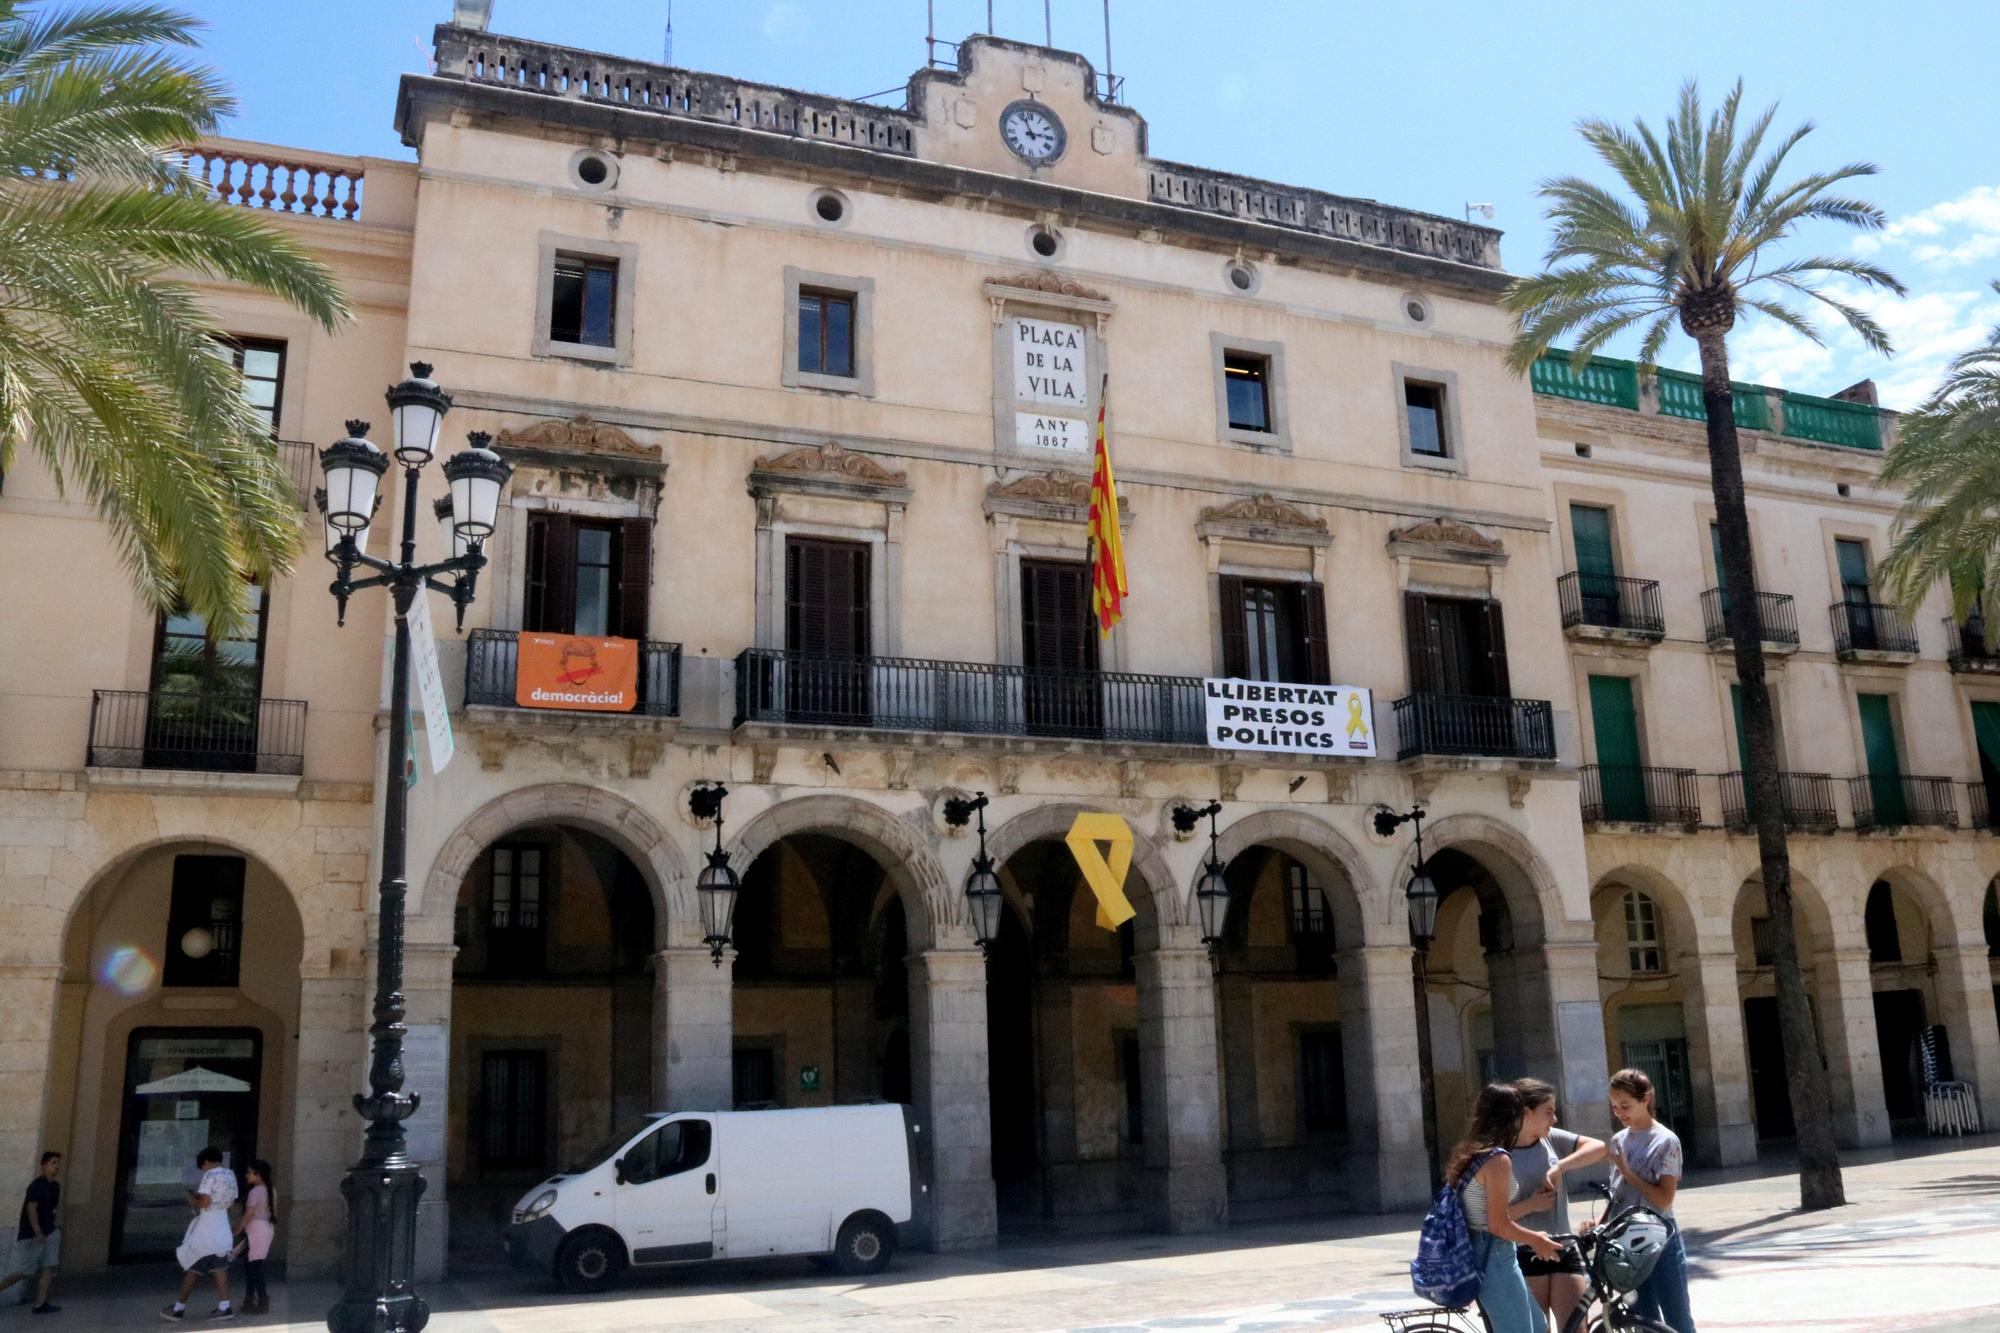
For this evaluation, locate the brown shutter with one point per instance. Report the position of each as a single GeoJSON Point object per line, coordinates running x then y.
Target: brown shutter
{"type": "Point", "coordinates": [1495, 634]}
{"type": "Point", "coordinates": [1420, 645]}
{"type": "Point", "coordinates": [635, 576]}
{"type": "Point", "coordinates": [549, 602]}
{"type": "Point", "coordinates": [826, 598]}
{"type": "Point", "coordinates": [1235, 640]}
{"type": "Point", "coordinates": [1056, 631]}
{"type": "Point", "coordinates": [1319, 668]}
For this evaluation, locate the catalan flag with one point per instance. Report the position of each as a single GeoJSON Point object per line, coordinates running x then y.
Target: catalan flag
{"type": "Point", "coordinates": [1107, 546]}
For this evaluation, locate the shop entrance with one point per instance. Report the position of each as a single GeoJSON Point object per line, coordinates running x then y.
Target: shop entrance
{"type": "Point", "coordinates": [185, 1090]}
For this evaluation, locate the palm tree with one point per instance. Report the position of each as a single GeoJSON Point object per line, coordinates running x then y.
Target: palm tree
{"type": "Point", "coordinates": [110, 368]}
{"type": "Point", "coordinates": [1947, 458]}
{"type": "Point", "coordinates": [1694, 245]}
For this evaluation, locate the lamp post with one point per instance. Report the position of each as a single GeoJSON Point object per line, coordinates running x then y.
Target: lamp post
{"type": "Point", "coordinates": [717, 887]}
{"type": "Point", "coordinates": [1422, 896]}
{"type": "Point", "coordinates": [378, 1260]}
{"type": "Point", "coordinates": [1211, 891]}
{"type": "Point", "coordinates": [982, 883]}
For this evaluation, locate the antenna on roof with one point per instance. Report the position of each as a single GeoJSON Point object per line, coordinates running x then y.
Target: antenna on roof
{"type": "Point", "coordinates": [1048, 26]}
{"type": "Point", "coordinates": [667, 57]}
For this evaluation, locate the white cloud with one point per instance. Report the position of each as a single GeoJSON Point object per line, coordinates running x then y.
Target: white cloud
{"type": "Point", "coordinates": [785, 23]}
{"type": "Point", "coordinates": [1956, 232]}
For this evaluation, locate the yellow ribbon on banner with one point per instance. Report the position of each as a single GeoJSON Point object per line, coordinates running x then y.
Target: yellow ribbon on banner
{"type": "Point", "coordinates": [1104, 870]}
{"type": "Point", "coordinates": [1354, 722]}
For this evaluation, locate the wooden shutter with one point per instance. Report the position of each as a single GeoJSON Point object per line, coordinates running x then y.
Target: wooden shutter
{"type": "Point", "coordinates": [1590, 530]}
{"type": "Point", "coordinates": [1420, 645]}
{"type": "Point", "coordinates": [1494, 632]}
{"type": "Point", "coordinates": [1055, 609]}
{"type": "Point", "coordinates": [826, 598]}
{"type": "Point", "coordinates": [1235, 642]}
{"type": "Point", "coordinates": [1319, 667]}
{"type": "Point", "coordinates": [635, 576]}
{"type": "Point", "coordinates": [550, 602]}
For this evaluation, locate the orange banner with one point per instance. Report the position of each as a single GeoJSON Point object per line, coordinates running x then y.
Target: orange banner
{"type": "Point", "coordinates": [572, 672]}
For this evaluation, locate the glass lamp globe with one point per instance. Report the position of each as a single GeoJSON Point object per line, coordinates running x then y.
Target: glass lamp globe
{"type": "Point", "coordinates": [1211, 901]}
{"type": "Point", "coordinates": [982, 901]}
{"type": "Point", "coordinates": [353, 468]}
{"type": "Point", "coordinates": [477, 475]}
{"type": "Point", "coordinates": [417, 407]}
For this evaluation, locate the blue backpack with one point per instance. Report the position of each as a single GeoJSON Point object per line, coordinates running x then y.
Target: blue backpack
{"type": "Point", "coordinates": [1446, 1270]}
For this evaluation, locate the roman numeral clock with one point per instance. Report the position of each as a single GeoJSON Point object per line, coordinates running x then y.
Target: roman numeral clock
{"type": "Point", "coordinates": [1033, 133]}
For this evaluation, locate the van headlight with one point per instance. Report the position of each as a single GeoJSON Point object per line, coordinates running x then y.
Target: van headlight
{"type": "Point", "coordinates": [538, 1207]}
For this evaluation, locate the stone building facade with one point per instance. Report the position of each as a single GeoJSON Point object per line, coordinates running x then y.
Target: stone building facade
{"type": "Point", "coordinates": [800, 396]}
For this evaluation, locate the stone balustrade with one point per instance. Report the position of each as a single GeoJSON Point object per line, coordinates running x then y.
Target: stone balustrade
{"type": "Point", "coordinates": [259, 176]}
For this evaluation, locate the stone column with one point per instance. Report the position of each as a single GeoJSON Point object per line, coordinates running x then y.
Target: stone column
{"type": "Point", "coordinates": [1384, 1169]}
{"type": "Point", "coordinates": [1238, 1049]}
{"type": "Point", "coordinates": [1058, 1187]}
{"type": "Point", "coordinates": [1186, 1187]}
{"type": "Point", "coordinates": [1718, 1060]}
{"type": "Point", "coordinates": [948, 1076]}
{"type": "Point", "coordinates": [1844, 998]}
{"type": "Point", "coordinates": [28, 992]}
{"type": "Point", "coordinates": [694, 1025]}
{"type": "Point", "coordinates": [1965, 994]}
{"type": "Point", "coordinates": [1563, 1031]}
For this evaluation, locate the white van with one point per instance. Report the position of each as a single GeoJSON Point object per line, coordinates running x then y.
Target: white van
{"type": "Point", "coordinates": [688, 1186]}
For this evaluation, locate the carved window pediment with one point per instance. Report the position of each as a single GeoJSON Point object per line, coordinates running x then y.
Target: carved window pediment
{"type": "Point", "coordinates": [1058, 495]}
{"type": "Point", "coordinates": [829, 469]}
{"type": "Point", "coordinates": [1263, 518]}
{"type": "Point", "coordinates": [579, 444]}
{"type": "Point", "coordinates": [1447, 539]}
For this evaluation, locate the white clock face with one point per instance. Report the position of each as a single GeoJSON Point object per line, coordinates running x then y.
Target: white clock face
{"type": "Point", "coordinates": [1033, 132]}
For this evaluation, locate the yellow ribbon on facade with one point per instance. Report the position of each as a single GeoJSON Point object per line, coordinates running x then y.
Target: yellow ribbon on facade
{"type": "Point", "coordinates": [1104, 869]}
{"type": "Point", "coordinates": [1354, 721]}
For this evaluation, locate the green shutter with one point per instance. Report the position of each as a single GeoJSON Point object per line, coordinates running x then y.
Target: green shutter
{"type": "Point", "coordinates": [1986, 728]}
{"type": "Point", "coordinates": [1590, 525]}
{"type": "Point", "coordinates": [1742, 745]}
{"type": "Point", "coordinates": [1618, 761]}
{"type": "Point", "coordinates": [1853, 560]}
{"type": "Point", "coordinates": [1715, 544]}
{"type": "Point", "coordinates": [1885, 772]}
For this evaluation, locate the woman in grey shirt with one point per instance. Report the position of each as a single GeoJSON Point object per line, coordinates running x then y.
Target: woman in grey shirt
{"type": "Point", "coordinates": [1541, 1154]}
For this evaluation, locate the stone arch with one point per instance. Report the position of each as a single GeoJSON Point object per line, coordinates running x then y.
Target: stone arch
{"type": "Point", "coordinates": [628, 828]}
{"type": "Point", "coordinates": [1161, 907]}
{"type": "Point", "coordinates": [117, 860]}
{"type": "Point", "coordinates": [1815, 918]}
{"type": "Point", "coordinates": [1946, 923]}
{"type": "Point", "coordinates": [1683, 925]}
{"type": "Point", "coordinates": [1322, 849]}
{"type": "Point", "coordinates": [931, 910]}
{"type": "Point", "coordinates": [1534, 900]}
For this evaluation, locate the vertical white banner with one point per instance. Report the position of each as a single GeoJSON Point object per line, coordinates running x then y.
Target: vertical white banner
{"type": "Point", "coordinates": [428, 681]}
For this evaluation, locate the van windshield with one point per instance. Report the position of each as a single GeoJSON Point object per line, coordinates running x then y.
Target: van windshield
{"type": "Point", "coordinates": [609, 1147]}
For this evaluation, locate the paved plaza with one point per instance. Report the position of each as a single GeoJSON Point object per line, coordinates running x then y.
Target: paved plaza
{"type": "Point", "coordinates": [1918, 1248]}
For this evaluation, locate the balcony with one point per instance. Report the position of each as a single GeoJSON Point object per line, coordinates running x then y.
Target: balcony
{"type": "Point", "coordinates": [491, 662]}
{"type": "Point", "coordinates": [1474, 726]}
{"type": "Point", "coordinates": [1965, 646]}
{"type": "Point", "coordinates": [1984, 816]}
{"type": "Point", "coordinates": [1777, 619]}
{"type": "Point", "coordinates": [920, 694]}
{"type": "Point", "coordinates": [1807, 797]}
{"type": "Point", "coordinates": [301, 463]}
{"type": "Point", "coordinates": [1897, 802]}
{"type": "Point", "coordinates": [1657, 797]}
{"type": "Point", "coordinates": [206, 731]}
{"type": "Point", "coordinates": [1606, 607]}
{"type": "Point", "coordinates": [1871, 632]}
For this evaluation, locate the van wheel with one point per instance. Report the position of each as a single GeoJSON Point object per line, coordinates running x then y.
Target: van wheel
{"type": "Point", "coordinates": [589, 1261]}
{"type": "Point", "coordinates": [865, 1244]}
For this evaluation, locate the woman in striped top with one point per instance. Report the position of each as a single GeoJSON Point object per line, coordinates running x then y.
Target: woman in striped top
{"type": "Point", "coordinates": [1484, 1173]}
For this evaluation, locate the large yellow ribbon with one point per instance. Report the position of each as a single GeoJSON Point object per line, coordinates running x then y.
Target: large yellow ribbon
{"type": "Point", "coordinates": [1104, 869]}
{"type": "Point", "coordinates": [1354, 722]}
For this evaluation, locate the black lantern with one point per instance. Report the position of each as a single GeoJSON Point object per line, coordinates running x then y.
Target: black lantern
{"type": "Point", "coordinates": [476, 475]}
{"type": "Point", "coordinates": [354, 468]}
{"type": "Point", "coordinates": [1211, 891]}
{"type": "Point", "coordinates": [1423, 899]}
{"type": "Point", "coordinates": [417, 407]}
{"type": "Point", "coordinates": [718, 885]}
{"type": "Point", "coordinates": [982, 884]}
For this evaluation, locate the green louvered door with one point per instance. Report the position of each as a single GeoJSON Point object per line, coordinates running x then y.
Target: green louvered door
{"type": "Point", "coordinates": [1742, 745]}
{"type": "Point", "coordinates": [1616, 723]}
{"type": "Point", "coordinates": [1986, 731]}
{"type": "Point", "coordinates": [1596, 569]}
{"type": "Point", "coordinates": [1885, 771]}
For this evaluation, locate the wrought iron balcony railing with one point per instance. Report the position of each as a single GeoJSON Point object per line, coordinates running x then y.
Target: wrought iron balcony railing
{"type": "Point", "coordinates": [301, 460]}
{"type": "Point", "coordinates": [1608, 601]}
{"type": "Point", "coordinates": [1883, 801]}
{"type": "Point", "coordinates": [920, 694]}
{"type": "Point", "coordinates": [1778, 620]}
{"type": "Point", "coordinates": [208, 730]}
{"type": "Point", "coordinates": [491, 663]}
{"type": "Point", "coordinates": [1984, 815]}
{"type": "Point", "coordinates": [1870, 627]}
{"type": "Point", "coordinates": [1622, 794]}
{"type": "Point", "coordinates": [1966, 648]}
{"type": "Point", "coordinates": [1462, 724]}
{"type": "Point", "coordinates": [1807, 799]}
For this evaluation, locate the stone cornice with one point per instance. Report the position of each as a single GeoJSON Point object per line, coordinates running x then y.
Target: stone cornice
{"type": "Point", "coordinates": [1050, 289]}
{"type": "Point", "coordinates": [1263, 518]}
{"type": "Point", "coordinates": [828, 468]}
{"type": "Point", "coordinates": [1446, 539]}
{"type": "Point", "coordinates": [1058, 495]}
{"type": "Point", "coordinates": [580, 443]}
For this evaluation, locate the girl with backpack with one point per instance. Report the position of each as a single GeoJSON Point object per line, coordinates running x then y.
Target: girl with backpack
{"type": "Point", "coordinates": [1482, 1171]}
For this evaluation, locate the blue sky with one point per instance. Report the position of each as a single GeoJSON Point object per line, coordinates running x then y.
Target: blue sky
{"type": "Point", "coordinates": [1426, 106]}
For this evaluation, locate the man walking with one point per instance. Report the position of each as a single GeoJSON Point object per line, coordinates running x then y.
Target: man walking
{"type": "Point", "coordinates": [38, 1241]}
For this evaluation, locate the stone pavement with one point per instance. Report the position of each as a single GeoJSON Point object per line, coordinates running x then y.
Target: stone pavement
{"type": "Point", "coordinates": [1918, 1248]}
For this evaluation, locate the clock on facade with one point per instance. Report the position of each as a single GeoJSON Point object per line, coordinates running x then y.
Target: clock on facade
{"type": "Point", "coordinates": [1033, 132]}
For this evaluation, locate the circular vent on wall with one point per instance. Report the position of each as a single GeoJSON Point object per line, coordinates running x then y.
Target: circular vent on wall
{"type": "Point", "coordinates": [1046, 242]}
{"type": "Point", "coordinates": [829, 206]}
{"type": "Point", "coordinates": [1242, 277]}
{"type": "Point", "coordinates": [593, 170]}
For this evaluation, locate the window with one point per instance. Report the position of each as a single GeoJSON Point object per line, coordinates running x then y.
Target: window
{"type": "Point", "coordinates": [588, 576]}
{"type": "Point", "coordinates": [1246, 383]}
{"type": "Point", "coordinates": [1424, 404]}
{"type": "Point", "coordinates": [826, 333]}
{"type": "Point", "coordinates": [1852, 558]}
{"type": "Point", "coordinates": [1322, 1081]}
{"type": "Point", "coordinates": [677, 1146]}
{"type": "Point", "coordinates": [1312, 922]}
{"type": "Point", "coordinates": [754, 1077]}
{"type": "Point", "coordinates": [583, 304]}
{"type": "Point", "coordinates": [1274, 631]}
{"type": "Point", "coordinates": [204, 922]}
{"type": "Point", "coordinates": [1885, 943]}
{"type": "Point", "coordinates": [1885, 769]}
{"type": "Point", "coordinates": [262, 365]}
{"type": "Point", "coordinates": [517, 909]}
{"type": "Point", "coordinates": [513, 1108]}
{"type": "Point", "coordinates": [1456, 646]}
{"type": "Point", "coordinates": [187, 659]}
{"type": "Point", "coordinates": [1763, 948]}
{"type": "Point", "coordinates": [1642, 933]}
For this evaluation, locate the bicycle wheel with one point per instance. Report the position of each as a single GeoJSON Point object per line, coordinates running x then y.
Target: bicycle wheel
{"type": "Point", "coordinates": [1594, 1319]}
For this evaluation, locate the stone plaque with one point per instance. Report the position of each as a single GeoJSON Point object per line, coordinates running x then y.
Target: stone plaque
{"type": "Point", "coordinates": [1049, 363]}
{"type": "Point", "coordinates": [426, 1072]}
{"type": "Point", "coordinates": [1039, 430]}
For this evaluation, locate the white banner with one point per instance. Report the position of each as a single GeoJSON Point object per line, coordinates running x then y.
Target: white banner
{"type": "Point", "coordinates": [1034, 430]}
{"type": "Point", "coordinates": [1290, 719]}
{"type": "Point", "coordinates": [1048, 363]}
{"type": "Point", "coordinates": [428, 681]}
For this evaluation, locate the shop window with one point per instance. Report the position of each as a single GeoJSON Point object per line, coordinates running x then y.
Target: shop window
{"type": "Point", "coordinates": [204, 922]}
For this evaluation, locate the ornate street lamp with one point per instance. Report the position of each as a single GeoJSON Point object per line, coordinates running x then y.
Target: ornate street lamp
{"type": "Point", "coordinates": [982, 884]}
{"type": "Point", "coordinates": [378, 1259]}
{"type": "Point", "coordinates": [717, 887]}
{"type": "Point", "coordinates": [1211, 891]}
{"type": "Point", "coordinates": [1421, 897]}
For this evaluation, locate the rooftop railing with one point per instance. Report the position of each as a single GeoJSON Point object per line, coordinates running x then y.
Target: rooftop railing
{"type": "Point", "coordinates": [215, 731]}
{"type": "Point", "coordinates": [1612, 382]}
{"type": "Point", "coordinates": [309, 184]}
{"type": "Point", "coordinates": [1472, 725]}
